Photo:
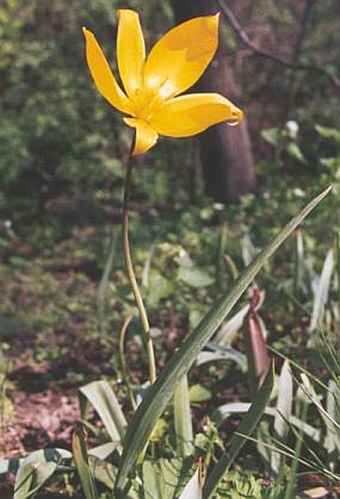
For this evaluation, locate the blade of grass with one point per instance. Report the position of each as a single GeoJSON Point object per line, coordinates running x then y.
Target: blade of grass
{"type": "Point", "coordinates": [104, 282]}
{"type": "Point", "coordinates": [237, 441]}
{"type": "Point", "coordinates": [290, 489]}
{"type": "Point", "coordinates": [300, 368]}
{"type": "Point", "coordinates": [299, 255]}
{"type": "Point", "coordinates": [289, 453]}
{"type": "Point", "coordinates": [158, 395]}
{"type": "Point", "coordinates": [310, 392]}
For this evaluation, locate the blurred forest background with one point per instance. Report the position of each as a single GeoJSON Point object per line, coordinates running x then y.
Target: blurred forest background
{"type": "Point", "coordinates": [210, 200]}
{"type": "Point", "coordinates": [59, 139]}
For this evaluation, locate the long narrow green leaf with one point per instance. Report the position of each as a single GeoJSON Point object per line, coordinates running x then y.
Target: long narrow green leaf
{"type": "Point", "coordinates": [160, 392]}
{"type": "Point", "coordinates": [283, 414]}
{"type": "Point", "coordinates": [105, 402]}
{"type": "Point", "coordinates": [322, 291]}
{"type": "Point", "coordinates": [183, 424]}
{"type": "Point", "coordinates": [80, 457]}
{"type": "Point", "coordinates": [237, 441]}
{"type": "Point", "coordinates": [104, 282]}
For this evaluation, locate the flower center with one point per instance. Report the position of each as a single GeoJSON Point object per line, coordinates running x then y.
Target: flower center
{"type": "Point", "coordinates": [147, 102]}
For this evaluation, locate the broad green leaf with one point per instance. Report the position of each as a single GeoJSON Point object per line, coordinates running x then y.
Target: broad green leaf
{"type": "Point", "coordinates": [103, 451]}
{"type": "Point", "coordinates": [164, 478]}
{"type": "Point", "coordinates": [103, 471]}
{"type": "Point", "coordinates": [33, 472]}
{"type": "Point", "coordinates": [194, 277]}
{"type": "Point", "coordinates": [80, 457]}
{"type": "Point", "coordinates": [237, 441]}
{"type": "Point", "coordinates": [328, 133]}
{"type": "Point", "coordinates": [331, 163]}
{"type": "Point", "coordinates": [198, 393]}
{"type": "Point", "coordinates": [294, 151]}
{"type": "Point", "coordinates": [272, 136]}
{"type": "Point", "coordinates": [55, 455]}
{"type": "Point", "coordinates": [158, 288]}
{"type": "Point", "coordinates": [159, 479]}
{"type": "Point", "coordinates": [105, 402]}
{"type": "Point", "coordinates": [159, 394]}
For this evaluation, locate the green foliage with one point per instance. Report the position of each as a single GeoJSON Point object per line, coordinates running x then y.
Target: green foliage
{"type": "Point", "coordinates": [52, 130]}
{"type": "Point", "coordinates": [59, 141]}
{"type": "Point", "coordinates": [55, 137]}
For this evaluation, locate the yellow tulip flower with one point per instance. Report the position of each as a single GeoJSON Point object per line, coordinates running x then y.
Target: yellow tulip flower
{"type": "Point", "coordinates": [152, 84]}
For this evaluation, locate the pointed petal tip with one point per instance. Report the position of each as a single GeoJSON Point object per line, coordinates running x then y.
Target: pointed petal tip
{"type": "Point", "coordinates": [215, 18]}
{"type": "Point", "coordinates": [191, 114]}
{"type": "Point", "coordinates": [177, 60]}
{"type": "Point", "coordinates": [87, 33]}
{"type": "Point", "coordinates": [239, 116]}
{"type": "Point", "coordinates": [102, 75]}
{"type": "Point", "coordinates": [130, 51]}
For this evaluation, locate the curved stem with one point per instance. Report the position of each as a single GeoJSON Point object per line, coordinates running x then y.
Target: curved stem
{"type": "Point", "coordinates": [130, 269]}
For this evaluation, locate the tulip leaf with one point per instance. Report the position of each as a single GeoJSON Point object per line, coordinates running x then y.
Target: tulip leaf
{"type": "Point", "coordinates": [103, 399]}
{"type": "Point", "coordinates": [31, 477]}
{"type": "Point", "coordinates": [321, 291]}
{"type": "Point", "coordinates": [283, 413]}
{"type": "Point", "coordinates": [44, 455]}
{"type": "Point", "coordinates": [159, 394]}
{"type": "Point", "coordinates": [81, 461]}
{"type": "Point", "coordinates": [182, 416]}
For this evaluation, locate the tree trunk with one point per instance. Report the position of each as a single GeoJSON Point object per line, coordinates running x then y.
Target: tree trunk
{"type": "Point", "coordinates": [226, 153]}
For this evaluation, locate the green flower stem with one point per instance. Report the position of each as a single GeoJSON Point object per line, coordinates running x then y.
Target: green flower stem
{"type": "Point", "coordinates": [130, 269]}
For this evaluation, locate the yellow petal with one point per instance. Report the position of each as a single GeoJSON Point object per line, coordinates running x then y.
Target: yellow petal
{"type": "Point", "coordinates": [130, 51]}
{"type": "Point", "coordinates": [194, 113]}
{"type": "Point", "coordinates": [102, 75]}
{"type": "Point", "coordinates": [179, 58]}
{"type": "Point", "coordinates": [146, 136]}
